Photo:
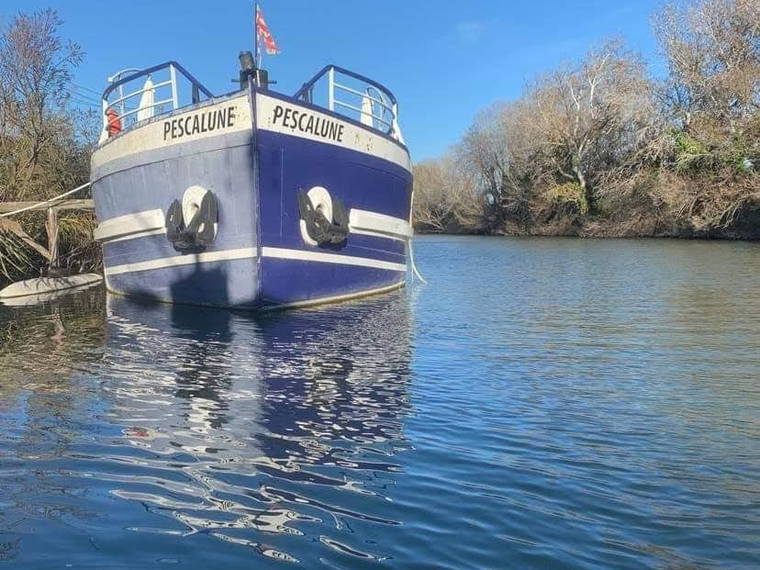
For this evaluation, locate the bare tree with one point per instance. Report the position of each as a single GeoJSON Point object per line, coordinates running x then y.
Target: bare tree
{"type": "Point", "coordinates": [545, 154]}
{"type": "Point", "coordinates": [446, 198]}
{"type": "Point", "coordinates": [36, 68]}
{"type": "Point", "coordinates": [601, 142]}
{"type": "Point", "coordinates": [484, 154]}
{"type": "Point", "coordinates": [43, 151]}
{"type": "Point", "coordinates": [587, 119]}
{"type": "Point", "coordinates": [713, 97]}
{"type": "Point", "coordinates": [713, 55]}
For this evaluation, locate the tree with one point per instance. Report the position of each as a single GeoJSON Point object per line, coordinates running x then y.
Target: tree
{"type": "Point", "coordinates": [544, 156]}
{"type": "Point", "coordinates": [590, 118]}
{"type": "Point", "coordinates": [713, 56]}
{"type": "Point", "coordinates": [484, 154]}
{"type": "Point", "coordinates": [43, 148]}
{"type": "Point", "coordinates": [599, 147]}
{"type": "Point", "coordinates": [712, 96]}
{"type": "Point", "coordinates": [446, 198]}
{"type": "Point", "coordinates": [37, 136]}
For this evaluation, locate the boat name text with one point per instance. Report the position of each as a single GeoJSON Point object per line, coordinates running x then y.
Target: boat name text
{"type": "Point", "coordinates": [308, 123]}
{"type": "Point", "coordinates": [203, 122]}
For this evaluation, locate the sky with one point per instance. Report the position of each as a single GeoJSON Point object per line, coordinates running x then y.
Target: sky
{"type": "Point", "coordinates": [445, 61]}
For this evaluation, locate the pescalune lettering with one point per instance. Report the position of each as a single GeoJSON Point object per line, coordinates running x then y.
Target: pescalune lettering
{"type": "Point", "coordinates": [199, 123]}
{"type": "Point", "coordinates": [308, 123]}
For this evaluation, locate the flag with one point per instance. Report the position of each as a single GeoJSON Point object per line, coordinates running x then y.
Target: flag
{"type": "Point", "coordinates": [263, 33]}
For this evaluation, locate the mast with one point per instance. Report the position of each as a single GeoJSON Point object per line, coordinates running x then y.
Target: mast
{"type": "Point", "coordinates": [256, 52]}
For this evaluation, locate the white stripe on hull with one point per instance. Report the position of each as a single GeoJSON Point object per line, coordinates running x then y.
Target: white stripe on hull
{"type": "Point", "coordinates": [321, 257]}
{"type": "Point", "coordinates": [179, 260]}
{"type": "Point", "coordinates": [250, 253]}
{"type": "Point", "coordinates": [377, 234]}
{"type": "Point", "coordinates": [364, 220]}
{"type": "Point", "coordinates": [130, 226]}
{"type": "Point", "coordinates": [158, 232]}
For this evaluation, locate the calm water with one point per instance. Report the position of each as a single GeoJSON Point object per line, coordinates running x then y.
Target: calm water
{"type": "Point", "coordinates": [547, 403]}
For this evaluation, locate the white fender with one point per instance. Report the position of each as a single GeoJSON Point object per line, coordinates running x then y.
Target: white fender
{"type": "Point", "coordinates": [191, 203]}
{"type": "Point", "coordinates": [322, 202]}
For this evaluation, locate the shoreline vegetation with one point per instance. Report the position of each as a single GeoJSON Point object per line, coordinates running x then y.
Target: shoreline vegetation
{"type": "Point", "coordinates": [46, 137]}
{"type": "Point", "coordinates": [602, 148]}
{"type": "Point", "coordinates": [598, 148]}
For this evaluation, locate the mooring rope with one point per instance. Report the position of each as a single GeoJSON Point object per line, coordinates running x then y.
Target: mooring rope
{"type": "Point", "coordinates": [50, 201]}
{"type": "Point", "coordinates": [414, 265]}
{"type": "Point", "coordinates": [415, 272]}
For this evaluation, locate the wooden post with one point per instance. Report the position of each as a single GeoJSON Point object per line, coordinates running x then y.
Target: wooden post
{"type": "Point", "coordinates": [51, 224]}
{"type": "Point", "coordinates": [52, 233]}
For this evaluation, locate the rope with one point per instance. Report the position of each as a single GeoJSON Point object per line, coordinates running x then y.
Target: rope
{"type": "Point", "coordinates": [415, 272]}
{"type": "Point", "coordinates": [50, 201]}
{"type": "Point", "coordinates": [414, 265]}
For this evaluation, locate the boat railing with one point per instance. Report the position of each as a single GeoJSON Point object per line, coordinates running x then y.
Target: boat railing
{"type": "Point", "coordinates": [354, 96]}
{"type": "Point", "coordinates": [138, 94]}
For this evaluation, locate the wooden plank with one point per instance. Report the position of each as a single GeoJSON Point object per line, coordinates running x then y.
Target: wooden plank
{"type": "Point", "coordinates": [51, 225]}
{"type": "Point", "coordinates": [83, 204]}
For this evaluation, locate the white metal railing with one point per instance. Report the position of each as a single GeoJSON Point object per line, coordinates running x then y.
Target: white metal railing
{"type": "Point", "coordinates": [367, 101]}
{"type": "Point", "coordinates": [122, 110]}
{"type": "Point", "coordinates": [374, 111]}
{"type": "Point", "coordinates": [120, 102]}
{"type": "Point", "coordinates": [367, 112]}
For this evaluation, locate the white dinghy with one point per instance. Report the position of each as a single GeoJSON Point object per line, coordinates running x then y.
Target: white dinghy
{"type": "Point", "coordinates": [40, 289]}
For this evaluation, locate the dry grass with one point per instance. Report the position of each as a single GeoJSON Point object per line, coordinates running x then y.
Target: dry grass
{"type": "Point", "coordinates": [16, 259]}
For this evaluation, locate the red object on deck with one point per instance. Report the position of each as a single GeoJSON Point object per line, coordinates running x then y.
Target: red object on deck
{"type": "Point", "coordinates": [114, 122]}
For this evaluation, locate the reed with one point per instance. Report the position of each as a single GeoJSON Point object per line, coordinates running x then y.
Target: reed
{"type": "Point", "coordinates": [16, 259]}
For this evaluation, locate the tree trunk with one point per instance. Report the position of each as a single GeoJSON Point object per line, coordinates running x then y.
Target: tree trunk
{"type": "Point", "coordinates": [585, 190]}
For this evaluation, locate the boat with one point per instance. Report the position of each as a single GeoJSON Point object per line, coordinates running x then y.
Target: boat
{"type": "Point", "coordinates": [44, 289]}
{"type": "Point", "coordinates": [252, 199]}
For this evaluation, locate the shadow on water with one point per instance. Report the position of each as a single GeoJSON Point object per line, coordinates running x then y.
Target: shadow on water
{"type": "Point", "coordinates": [267, 432]}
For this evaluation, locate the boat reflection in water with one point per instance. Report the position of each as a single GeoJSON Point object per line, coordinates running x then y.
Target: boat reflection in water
{"type": "Point", "coordinates": [286, 424]}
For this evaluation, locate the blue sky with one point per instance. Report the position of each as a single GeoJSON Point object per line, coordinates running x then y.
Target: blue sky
{"type": "Point", "coordinates": [444, 60]}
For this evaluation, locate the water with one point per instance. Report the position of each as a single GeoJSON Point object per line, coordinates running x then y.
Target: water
{"type": "Point", "coordinates": [542, 403]}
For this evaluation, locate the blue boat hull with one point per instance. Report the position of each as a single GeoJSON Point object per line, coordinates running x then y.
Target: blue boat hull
{"type": "Point", "coordinates": [255, 168]}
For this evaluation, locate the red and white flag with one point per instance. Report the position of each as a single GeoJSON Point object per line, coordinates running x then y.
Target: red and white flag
{"type": "Point", "coordinates": [264, 35]}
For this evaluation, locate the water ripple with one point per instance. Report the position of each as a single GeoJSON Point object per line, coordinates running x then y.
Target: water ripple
{"type": "Point", "coordinates": [543, 403]}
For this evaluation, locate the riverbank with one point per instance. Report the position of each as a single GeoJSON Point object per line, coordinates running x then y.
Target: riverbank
{"type": "Point", "coordinates": [748, 231]}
